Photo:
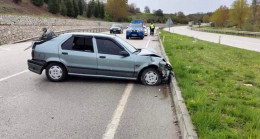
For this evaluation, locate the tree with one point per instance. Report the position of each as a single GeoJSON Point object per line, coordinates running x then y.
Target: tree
{"type": "Point", "coordinates": [181, 18]}
{"type": "Point", "coordinates": [102, 10]}
{"type": "Point", "coordinates": [158, 12]}
{"type": "Point", "coordinates": [220, 16]}
{"type": "Point", "coordinates": [37, 2]}
{"type": "Point", "coordinates": [131, 8]}
{"type": "Point", "coordinates": [89, 10]}
{"type": "Point", "coordinates": [75, 8]}
{"type": "Point", "coordinates": [137, 10]}
{"type": "Point", "coordinates": [53, 6]}
{"type": "Point", "coordinates": [63, 8]}
{"type": "Point", "coordinates": [96, 9]}
{"type": "Point", "coordinates": [147, 9]}
{"type": "Point", "coordinates": [17, 1]}
{"type": "Point", "coordinates": [117, 8]}
{"type": "Point", "coordinates": [238, 13]}
{"type": "Point", "coordinates": [69, 7]}
{"type": "Point", "coordinates": [254, 10]}
{"type": "Point", "coordinates": [80, 4]}
{"type": "Point", "coordinates": [205, 18]}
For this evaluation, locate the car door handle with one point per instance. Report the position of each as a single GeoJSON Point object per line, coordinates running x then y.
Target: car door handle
{"type": "Point", "coordinates": [64, 53]}
{"type": "Point", "coordinates": [102, 56]}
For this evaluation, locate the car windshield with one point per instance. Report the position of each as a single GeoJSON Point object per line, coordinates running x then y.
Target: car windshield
{"type": "Point", "coordinates": [128, 46]}
{"type": "Point", "coordinates": [116, 25]}
{"type": "Point", "coordinates": [135, 25]}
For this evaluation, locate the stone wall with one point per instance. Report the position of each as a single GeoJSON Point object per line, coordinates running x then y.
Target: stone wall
{"type": "Point", "coordinates": [14, 28]}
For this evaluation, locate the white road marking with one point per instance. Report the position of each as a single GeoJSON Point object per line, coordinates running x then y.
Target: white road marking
{"type": "Point", "coordinates": [112, 126]}
{"type": "Point", "coordinates": [148, 42]}
{"type": "Point", "coordinates": [8, 77]}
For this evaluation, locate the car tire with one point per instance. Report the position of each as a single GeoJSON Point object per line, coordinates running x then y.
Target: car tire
{"type": "Point", "coordinates": [142, 38]}
{"type": "Point", "coordinates": [127, 37]}
{"type": "Point", "coordinates": [151, 77]}
{"type": "Point", "coordinates": [56, 72]}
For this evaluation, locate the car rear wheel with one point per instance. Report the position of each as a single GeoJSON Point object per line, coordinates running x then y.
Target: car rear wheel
{"type": "Point", "coordinates": [56, 72]}
{"type": "Point", "coordinates": [150, 77]}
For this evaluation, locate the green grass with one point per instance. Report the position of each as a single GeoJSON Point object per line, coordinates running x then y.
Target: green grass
{"type": "Point", "coordinates": [212, 79]}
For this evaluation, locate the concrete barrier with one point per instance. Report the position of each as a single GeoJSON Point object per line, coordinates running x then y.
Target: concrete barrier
{"type": "Point", "coordinates": [94, 30]}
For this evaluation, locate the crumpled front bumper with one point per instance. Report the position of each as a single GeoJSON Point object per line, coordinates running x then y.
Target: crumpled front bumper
{"type": "Point", "coordinates": [166, 70]}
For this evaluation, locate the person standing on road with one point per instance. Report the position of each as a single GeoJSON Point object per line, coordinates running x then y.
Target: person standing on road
{"type": "Point", "coordinates": [152, 27]}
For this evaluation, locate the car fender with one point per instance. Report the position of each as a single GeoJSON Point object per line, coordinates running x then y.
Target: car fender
{"type": "Point", "coordinates": [55, 59]}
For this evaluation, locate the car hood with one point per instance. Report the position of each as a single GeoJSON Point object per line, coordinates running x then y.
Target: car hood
{"type": "Point", "coordinates": [149, 52]}
{"type": "Point", "coordinates": [135, 28]}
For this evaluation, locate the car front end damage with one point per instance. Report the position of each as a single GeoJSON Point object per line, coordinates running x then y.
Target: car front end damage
{"type": "Point", "coordinates": [166, 70]}
{"type": "Point", "coordinates": [164, 67]}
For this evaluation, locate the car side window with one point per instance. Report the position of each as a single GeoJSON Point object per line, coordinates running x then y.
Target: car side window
{"type": "Point", "coordinates": [106, 46]}
{"type": "Point", "coordinates": [79, 44]}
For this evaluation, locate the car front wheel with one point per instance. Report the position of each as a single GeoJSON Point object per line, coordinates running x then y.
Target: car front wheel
{"type": "Point", "coordinates": [56, 72]}
{"type": "Point", "coordinates": [150, 77]}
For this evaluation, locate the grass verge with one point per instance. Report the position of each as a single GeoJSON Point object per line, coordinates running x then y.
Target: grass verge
{"type": "Point", "coordinates": [220, 85]}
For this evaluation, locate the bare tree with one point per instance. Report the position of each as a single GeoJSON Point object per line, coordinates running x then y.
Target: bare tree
{"type": "Point", "coordinates": [147, 9]}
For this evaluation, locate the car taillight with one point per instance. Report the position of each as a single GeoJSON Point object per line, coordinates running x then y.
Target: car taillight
{"type": "Point", "coordinates": [32, 53]}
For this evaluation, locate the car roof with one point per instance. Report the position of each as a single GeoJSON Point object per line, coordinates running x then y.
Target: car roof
{"type": "Point", "coordinates": [91, 34]}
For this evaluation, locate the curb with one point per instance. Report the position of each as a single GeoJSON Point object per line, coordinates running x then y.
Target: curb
{"type": "Point", "coordinates": [183, 116]}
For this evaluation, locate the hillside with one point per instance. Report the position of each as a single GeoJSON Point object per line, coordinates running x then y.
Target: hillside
{"type": "Point", "coordinates": [25, 8]}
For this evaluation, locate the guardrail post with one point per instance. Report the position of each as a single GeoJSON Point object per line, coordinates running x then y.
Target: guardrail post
{"type": "Point", "coordinates": [219, 40]}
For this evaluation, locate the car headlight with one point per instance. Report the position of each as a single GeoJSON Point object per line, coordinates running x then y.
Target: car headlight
{"type": "Point", "coordinates": [162, 64]}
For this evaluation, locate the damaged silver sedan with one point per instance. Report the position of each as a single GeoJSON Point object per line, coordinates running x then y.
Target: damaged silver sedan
{"type": "Point", "coordinates": [97, 55]}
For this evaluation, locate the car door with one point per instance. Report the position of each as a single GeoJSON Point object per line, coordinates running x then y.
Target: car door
{"type": "Point", "coordinates": [79, 56]}
{"type": "Point", "coordinates": [110, 62]}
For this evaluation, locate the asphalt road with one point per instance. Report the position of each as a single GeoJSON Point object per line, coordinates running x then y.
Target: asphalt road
{"type": "Point", "coordinates": [87, 108]}
{"type": "Point", "coordinates": [248, 43]}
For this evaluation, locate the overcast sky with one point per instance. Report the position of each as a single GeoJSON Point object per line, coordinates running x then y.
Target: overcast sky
{"type": "Point", "coordinates": [186, 6]}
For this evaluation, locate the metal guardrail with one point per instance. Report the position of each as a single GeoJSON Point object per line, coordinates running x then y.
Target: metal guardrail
{"type": "Point", "coordinates": [93, 30]}
{"type": "Point", "coordinates": [232, 32]}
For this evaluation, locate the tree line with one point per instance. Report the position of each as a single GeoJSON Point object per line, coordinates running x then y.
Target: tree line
{"type": "Point", "coordinates": [72, 8]}
{"type": "Point", "coordinates": [241, 15]}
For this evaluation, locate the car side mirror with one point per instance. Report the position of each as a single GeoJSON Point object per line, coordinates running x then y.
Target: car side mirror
{"type": "Point", "coordinates": [124, 53]}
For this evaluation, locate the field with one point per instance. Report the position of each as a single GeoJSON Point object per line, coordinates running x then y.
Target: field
{"type": "Point", "coordinates": [220, 85]}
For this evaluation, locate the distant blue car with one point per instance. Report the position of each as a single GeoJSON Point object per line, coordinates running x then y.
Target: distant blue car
{"type": "Point", "coordinates": [135, 30]}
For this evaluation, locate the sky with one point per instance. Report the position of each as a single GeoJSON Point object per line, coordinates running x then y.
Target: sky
{"type": "Point", "coordinates": [186, 6]}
